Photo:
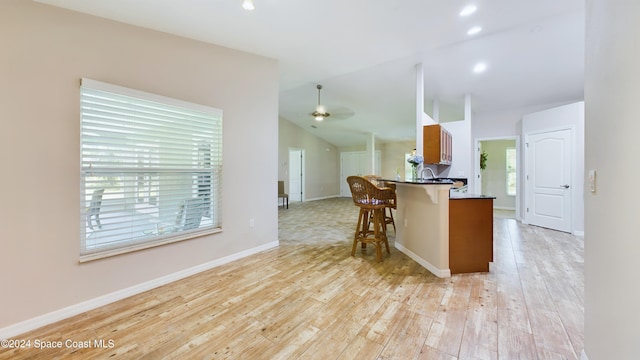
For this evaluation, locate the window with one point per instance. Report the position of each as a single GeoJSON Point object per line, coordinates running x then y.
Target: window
{"type": "Point", "coordinates": [408, 169]}
{"type": "Point", "coordinates": [151, 170]}
{"type": "Point", "coordinates": [511, 171]}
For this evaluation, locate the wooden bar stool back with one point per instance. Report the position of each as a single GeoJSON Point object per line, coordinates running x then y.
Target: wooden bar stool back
{"type": "Point", "coordinates": [392, 200]}
{"type": "Point", "coordinates": [372, 202]}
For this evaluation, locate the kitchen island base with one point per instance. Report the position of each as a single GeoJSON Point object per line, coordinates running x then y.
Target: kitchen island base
{"type": "Point", "coordinates": [470, 235]}
{"type": "Point", "coordinates": [422, 220]}
{"type": "Point", "coordinates": [445, 233]}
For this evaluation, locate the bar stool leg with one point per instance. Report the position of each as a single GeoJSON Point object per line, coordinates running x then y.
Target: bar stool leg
{"type": "Point", "coordinates": [378, 233]}
{"type": "Point", "coordinates": [383, 234]}
{"type": "Point", "coordinates": [357, 235]}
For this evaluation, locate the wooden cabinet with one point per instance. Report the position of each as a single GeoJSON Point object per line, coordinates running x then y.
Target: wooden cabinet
{"type": "Point", "coordinates": [470, 235]}
{"type": "Point", "coordinates": [437, 145]}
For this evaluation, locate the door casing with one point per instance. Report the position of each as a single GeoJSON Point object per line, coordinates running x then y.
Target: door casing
{"type": "Point", "coordinates": [296, 174]}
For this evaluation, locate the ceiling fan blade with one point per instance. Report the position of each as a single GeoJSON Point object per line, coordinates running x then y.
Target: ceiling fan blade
{"type": "Point", "coordinates": [341, 113]}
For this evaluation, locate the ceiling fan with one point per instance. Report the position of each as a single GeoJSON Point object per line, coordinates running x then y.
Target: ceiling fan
{"type": "Point", "coordinates": [320, 113]}
{"type": "Point", "coordinates": [294, 109]}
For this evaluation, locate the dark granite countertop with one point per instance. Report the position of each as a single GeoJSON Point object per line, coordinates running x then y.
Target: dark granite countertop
{"type": "Point", "coordinates": [465, 196]}
{"type": "Point", "coordinates": [422, 182]}
{"type": "Point", "coordinates": [454, 195]}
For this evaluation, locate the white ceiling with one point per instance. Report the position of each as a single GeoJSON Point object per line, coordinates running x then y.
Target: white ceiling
{"type": "Point", "coordinates": [364, 53]}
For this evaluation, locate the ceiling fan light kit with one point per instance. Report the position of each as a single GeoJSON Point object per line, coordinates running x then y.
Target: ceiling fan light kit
{"type": "Point", "coordinates": [320, 113]}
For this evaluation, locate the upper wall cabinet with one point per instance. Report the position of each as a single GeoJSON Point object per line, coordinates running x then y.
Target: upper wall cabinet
{"type": "Point", "coordinates": [437, 145]}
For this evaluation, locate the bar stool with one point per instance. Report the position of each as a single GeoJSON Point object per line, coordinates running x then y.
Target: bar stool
{"type": "Point", "coordinates": [392, 200]}
{"type": "Point", "coordinates": [372, 202]}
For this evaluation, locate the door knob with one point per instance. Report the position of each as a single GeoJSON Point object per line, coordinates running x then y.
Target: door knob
{"type": "Point", "coordinates": [566, 186]}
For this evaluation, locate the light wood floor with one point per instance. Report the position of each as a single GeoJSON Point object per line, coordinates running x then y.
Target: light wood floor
{"type": "Point", "coordinates": [309, 299]}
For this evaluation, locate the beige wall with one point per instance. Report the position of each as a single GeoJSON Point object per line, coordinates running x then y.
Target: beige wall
{"type": "Point", "coordinates": [322, 167]}
{"type": "Point", "coordinates": [45, 52]}
{"type": "Point", "coordinates": [391, 153]}
{"type": "Point", "coordinates": [393, 157]}
{"type": "Point", "coordinates": [612, 70]}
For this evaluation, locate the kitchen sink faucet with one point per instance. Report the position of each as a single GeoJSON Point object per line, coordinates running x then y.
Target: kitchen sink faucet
{"type": "Point", "coordinates": [433, 176]}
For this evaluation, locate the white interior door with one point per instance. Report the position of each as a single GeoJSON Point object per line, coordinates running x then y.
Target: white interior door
{"type": "Point", "coordinates": [349, 165]}
{"type": "Point", "coordinates": [355, 163]}
{"type": "Point", "coordinates": [296, 174]}
{"type": "Point", "coordinates": [548, 179]}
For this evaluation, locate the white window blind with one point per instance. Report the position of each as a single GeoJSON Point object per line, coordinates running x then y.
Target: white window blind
{"type": "Point", "coordinates": [151, 170]}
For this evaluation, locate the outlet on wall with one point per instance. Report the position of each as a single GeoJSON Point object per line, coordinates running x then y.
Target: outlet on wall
{"type": "Point", "coordinates": [252, 222]}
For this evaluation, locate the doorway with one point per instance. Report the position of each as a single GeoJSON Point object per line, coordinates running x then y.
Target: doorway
{"type": "Point", "coordinates": [296, 175]}
{"type": "Point", "coordinates": [501, 175]}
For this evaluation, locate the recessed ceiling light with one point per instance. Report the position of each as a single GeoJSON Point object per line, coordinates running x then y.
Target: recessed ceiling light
{"type": "Point", "coordinates": [248, 5]}
{"type": "Point", "coordinates": [468, 10]}
{"type": "Point", "coordinates": [479, 68]}
{"type": "Point", "coordinates": [474, 30]}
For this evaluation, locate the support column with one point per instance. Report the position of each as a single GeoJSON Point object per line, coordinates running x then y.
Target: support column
{"type": "Point", "coordinates": [371, 153]}
{"type": "Point", "coordinates": [419, 106]}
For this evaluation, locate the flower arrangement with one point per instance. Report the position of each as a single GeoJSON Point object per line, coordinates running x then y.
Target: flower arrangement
{"type": "Point", "coordinates": [415, 160]}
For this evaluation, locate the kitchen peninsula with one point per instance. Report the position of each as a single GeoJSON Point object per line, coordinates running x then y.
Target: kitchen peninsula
{"type": "Point", "coordinates": [446, 233]}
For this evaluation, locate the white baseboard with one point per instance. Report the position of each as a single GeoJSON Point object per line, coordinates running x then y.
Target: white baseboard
{"type": "Point", "coordinates": [578, 233]}
{"type": "Point", "coordinates": [504, 208]}
{"type": "Point", "coordinates": [441, 273]}
{"type": "Point", "coordinates": [67, 312]}
{"type": "Point", "coordinates": [322, 198]}
{"type": "Point", "coordinates": [583, 356]}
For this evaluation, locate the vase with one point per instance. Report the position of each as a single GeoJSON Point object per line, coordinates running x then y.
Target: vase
{"type": "Point", "coordinates": [414, 173]}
